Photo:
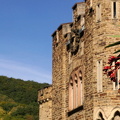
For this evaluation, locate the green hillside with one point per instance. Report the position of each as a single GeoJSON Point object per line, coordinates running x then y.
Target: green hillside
{"type": "Point", "coordinates": [18, 99]}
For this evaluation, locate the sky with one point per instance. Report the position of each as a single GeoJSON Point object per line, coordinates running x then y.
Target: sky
{"type": "Point", "coordinates": [26, 27]}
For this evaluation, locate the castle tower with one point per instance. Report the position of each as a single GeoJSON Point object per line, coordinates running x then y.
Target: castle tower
{"type": "Point", "coordinates": [45, 103]}
{"type": "Point", "coordinates": [68, 68]}
{"type": "Point", "coordinates": [102, 24]}
{"type": "Point", "coordinates": [59, 72]}
{"type": "Point", "coordinates": [80, 89]}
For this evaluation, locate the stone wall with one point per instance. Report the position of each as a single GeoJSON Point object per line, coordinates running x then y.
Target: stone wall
{"type": "Point", "coordinates": [80, 46]}
{"type": "Point", "coordinates": [99, 34]}
{"type": "Point", "coordinates": [45, 103]}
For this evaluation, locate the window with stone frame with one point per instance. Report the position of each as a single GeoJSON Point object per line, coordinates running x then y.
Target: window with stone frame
{"type": "Point", "coordinates": [57, 36]}
{"type": "Point", "coordinates": [70, 94]}
{"type": "Point", "coordinates": [114, 9]}
{"type": "Point", "coordinates": [99, 75]}
{"type": "Point", "coordinates": [90, 3]}
{"type": "Point", "coordinates": [82, 22]}
{"type": "Point", "coordinates": [116, 84]}
{"type": "Point", "coordinates": [98, 12]}
{"type": "Point", "coordinates": [75, 90]}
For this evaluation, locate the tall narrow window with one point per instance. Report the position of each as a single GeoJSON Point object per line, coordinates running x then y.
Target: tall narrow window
{"type": "Point", "coordinates": [99, 76]}
{"type": "Point", "coordinates": [98, 13]}
{"type": "Point", "coordinates": [100, 116]}
{"type": "Point", "coordinates": [71, 95]}
{"type": "Point", "coordinates": [75, 90]}
{"type": "Point", "coordinates": [82, 21]}
{"type": "Point", "coordinates": [114, 9]}
{"type": "Point", "coordinates": [116, 84]}
{"type": "Point", "coordinates": [90, 3]}
{"type": "Point", "coordinates": [57, 36]}
{"type": "Point", "coordinates": [75, 87]}
{"type": "Point", "coordinates": [80, 89]}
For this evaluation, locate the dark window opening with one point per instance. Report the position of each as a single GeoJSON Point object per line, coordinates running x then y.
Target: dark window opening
{"type": "Point", "coordinates": [101, 116]}
{"type": "Point", "coordinates": [81, 34]}
{"type": "Point", "coordinates": [68, 47]}
{"type": "Point", "coordinates": [116, 115]}
{"type": "Point", "coordinates": [91, 10]}
{"type": "Point", "coordinates": [114, 9]}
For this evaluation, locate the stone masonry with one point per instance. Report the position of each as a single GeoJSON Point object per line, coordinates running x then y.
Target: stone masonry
{"type": "Point", "coordinates": [80, 90]}
{"type": "Point", "coordinates": [45, 103]}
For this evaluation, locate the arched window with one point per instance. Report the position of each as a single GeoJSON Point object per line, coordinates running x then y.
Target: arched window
{"type": "Point", "coordinates": [71, 94]}
{"type": "Point", "coordinates": [80, 89]}
{"type": "Point", "coordinates": [75, 90]}
{"type": "Point", "coordinates": [100, 116]}
{"type": "Point", "coordinates": [116, 116]}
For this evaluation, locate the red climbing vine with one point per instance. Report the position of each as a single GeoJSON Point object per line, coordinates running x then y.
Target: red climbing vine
{"type": "Point", "coordinates": [112, 68]}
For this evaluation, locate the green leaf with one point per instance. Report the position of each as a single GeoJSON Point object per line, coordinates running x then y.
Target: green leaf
{"type": "Point", "coordinates": [113, 44]}
{"type": "Point", "coordinates": [117, 51]}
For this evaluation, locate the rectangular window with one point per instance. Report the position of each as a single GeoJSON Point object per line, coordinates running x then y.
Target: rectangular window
{"type": "Point", "coordinates": [74, 95]}
{"type": "Point", "coordinates": [99, 76]}
{"type": "Point", "coordinates": [117, 74]}
{"type": "Point", "coordinates": [116, 85]}
{"type": "Point", "coordinates": [71, 96]}
{"type": "Point", "coordinates": [118, 79]}
{"type": "Point", "coordinates": [114, 9]}
{"type": "Point", "coordinates": [98, 13]}
{"type": "Point", "coordinates": [90, 3]}
{"type": "Point", "coordinates": [57, 36]}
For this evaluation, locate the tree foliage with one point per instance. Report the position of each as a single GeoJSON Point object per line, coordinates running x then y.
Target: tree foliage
{"type": "Point", "coordinates": [19, 98]}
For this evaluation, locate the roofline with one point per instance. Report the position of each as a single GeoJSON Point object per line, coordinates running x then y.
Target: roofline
{"type": "Point", "coordinates": [74, 6]}
{"type": "Point", "coordinates": [45, 87]}
{"type": "Point", "coordinates": [60, 26]}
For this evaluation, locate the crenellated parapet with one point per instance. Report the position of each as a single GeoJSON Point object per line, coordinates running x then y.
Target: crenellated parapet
{"type": "Point", "coordinates": [78, 11]}
{"type": "Point", "coordinates": [45, 95]}
{"type": "Point", "coordinates": [45, 103]}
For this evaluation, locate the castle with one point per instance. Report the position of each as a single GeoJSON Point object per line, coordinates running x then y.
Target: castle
{"type": "Point", "coordinates": [80, 90]}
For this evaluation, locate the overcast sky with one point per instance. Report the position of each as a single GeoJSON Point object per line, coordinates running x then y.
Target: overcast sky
{"type": "Point", "coordinates": [25, 36]}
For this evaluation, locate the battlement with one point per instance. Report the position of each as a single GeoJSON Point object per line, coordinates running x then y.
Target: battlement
{"type": "Point", "coordinates": [78, 10]}
{"type": "Point", "coordinates": [58, 35]}
{"type": "Point", "coordinates": [45, 103]}
{"type": "Point", "coordinates": [45, 94]}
